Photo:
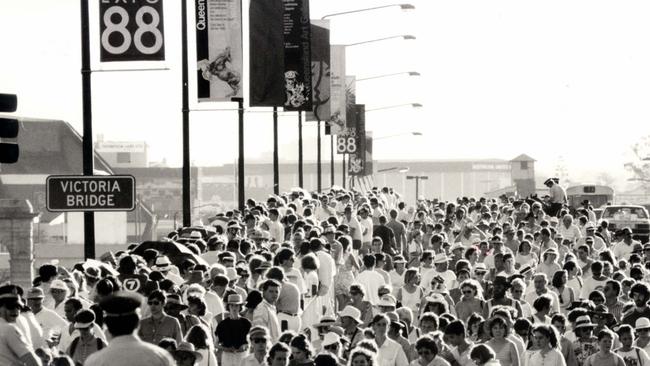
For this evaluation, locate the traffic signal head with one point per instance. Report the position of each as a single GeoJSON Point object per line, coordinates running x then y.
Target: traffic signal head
{"type": "Point", "coordinates": [8, 129]}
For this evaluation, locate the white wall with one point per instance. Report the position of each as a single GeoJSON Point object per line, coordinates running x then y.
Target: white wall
{"type": "Point", "coordinates": [110, 228]}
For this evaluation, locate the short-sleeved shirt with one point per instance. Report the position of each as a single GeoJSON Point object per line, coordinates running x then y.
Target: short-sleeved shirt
{"type": "Point", "coordinates": [126, 350]}
{"type": "Point", "coordinates": [386, 234]}
{"type": "Point", "coordinates": [13, 344]}
{"type": "Point", "coordinates": [398, 230]}
{"type": "Point", "coordinates": [153, 331]}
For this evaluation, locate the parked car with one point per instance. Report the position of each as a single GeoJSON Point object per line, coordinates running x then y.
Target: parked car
{"type": "Point", "coordinates": [632, 216]}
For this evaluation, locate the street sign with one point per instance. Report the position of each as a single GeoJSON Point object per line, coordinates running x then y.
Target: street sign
{"type": "Point", "coordinates": [131, 31]}
{"type": "Point", "coordinates": [90, 193]}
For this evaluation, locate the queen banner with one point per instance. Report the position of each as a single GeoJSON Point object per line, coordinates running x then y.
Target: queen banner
{"type": "Point", "coordinates": [297, 55]}
{"type": "Point", "coordinates": [219, 52]}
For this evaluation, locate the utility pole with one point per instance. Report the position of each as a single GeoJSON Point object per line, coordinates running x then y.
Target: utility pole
{"type": "Point", "coordinates": [417, 179]}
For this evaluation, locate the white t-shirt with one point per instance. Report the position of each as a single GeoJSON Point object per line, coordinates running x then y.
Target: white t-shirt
{"type": "Point", "coordinates": [371, 281]}
{"type": "Point", "coordinates": [634, 357]}
{"type": "Point", "coordinates": [366, 225]}
{"type": "Point", "coordinates": [355, 228]}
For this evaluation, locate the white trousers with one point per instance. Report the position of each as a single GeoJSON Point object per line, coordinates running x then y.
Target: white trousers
{"type": "Point", "coordinates": [293, 322]}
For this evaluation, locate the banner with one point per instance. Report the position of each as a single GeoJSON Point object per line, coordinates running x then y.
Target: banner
{"type": "Point", "coordinates": [356, 162]}
{"type": "Point", "coordinates": [338, 101]}
{"type": "Point", "coordinates": [320, 71]}
{"type": "Point", "coordinates": [346, 138]}
{"type": "Point", "coordinates": [131, 31]}
{"type": "Point", "coordinates": [266, 66]}
{"type": "Point", "coordinates": [219, 50]}
{"type": "Point", "coordinates": [297, 56]}
{"type": "Point", "coordinates": [368, 168]}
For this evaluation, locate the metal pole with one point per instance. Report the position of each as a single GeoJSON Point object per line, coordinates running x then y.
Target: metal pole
{"type": "Point", "coordinates": [240, 161]}
{"type": "Point", "coordinates": [276, 163]}
{"type": "Point", "coordinates": [187, 198]}
{"type": "Point", "coordinates": [319, 176]}
{"type": "Point", "coordinates": [344, 168]}
{"type": "Point", "coordinates": [300, 171]}
{"type": "Point", "coordinates": [87, 142]}
{"type": "Point", "coordinates": [331, 160]}
{"type": "Point", "coordinates": [417, 189]}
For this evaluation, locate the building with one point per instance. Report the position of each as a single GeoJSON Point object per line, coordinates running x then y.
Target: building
{"type": "Point", "coordinates": [123, 154]}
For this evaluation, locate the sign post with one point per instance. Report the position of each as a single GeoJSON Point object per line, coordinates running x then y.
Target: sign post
{"type": "Point", "coordinates": [82, 193]}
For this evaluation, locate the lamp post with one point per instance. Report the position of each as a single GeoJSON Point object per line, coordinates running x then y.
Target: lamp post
{"type": "Point", "coordinates": [398, 135]}
{"type": "Point", "coordinates": [408, 73]}
{"type": "Point", "coordinates": [402, 36]}
{"type": "Point", "coordinates": [417, 184]}
{"type": "Point", "coordinates": [402, 169]}
{"type": "Point", "coordinates": [413, 105]}
{"type": "Point", "coordinates": [401, 6]}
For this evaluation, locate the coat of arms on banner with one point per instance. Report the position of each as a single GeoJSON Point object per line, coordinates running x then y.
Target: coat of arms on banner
{"type": "Point", "coordinates": [295, 90]}
{"type": "Point", "coordinates": [220, 69]}
{"type": "Point", "coordinates": [356, 164]}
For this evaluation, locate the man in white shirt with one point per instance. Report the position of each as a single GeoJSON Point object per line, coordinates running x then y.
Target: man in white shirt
{"type": "Point", "coordinates": [326, 272]}
{"type": "Point", "coordinates": [441, 263]}
{"type": "Point", "coordinates": [625, 247]}
{"type": "Point", "coordinates": [370, 279]}
{"type": "Point", "coordinates": [356, 231]}
{"type": "Point", "coordinates": [275, 227]}
{"type": "Point", "coordinates": [50, 321]}
{"type": "Point", "coordinates": [366, 228]}
{"type": "Point", "coordinates": [540, 288]}
{"type": "Point", "coordinates": [265, 313]}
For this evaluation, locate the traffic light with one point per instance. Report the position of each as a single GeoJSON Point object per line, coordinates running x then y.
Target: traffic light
{"type": "Point", "coordinates": [8, 129]}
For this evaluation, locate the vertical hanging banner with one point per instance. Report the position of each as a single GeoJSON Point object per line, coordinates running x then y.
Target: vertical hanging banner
{"type": "Point", "coordinates": [320, 71]}
{"type": "Point", "coordinates": [266, 53]}
{"type": "Point", "coordinates": [336, 123]}
{"type": "Point", "coordinates": [368, 166]}
{"type": "Point", "coordinates": [297, 56]}
{"type": "Point", "coordinates": [346, 142]}
{"type": "Point", "coordinates": [131, 30]}
{"type": "Point", "coordinates": [356, 163]}
{"type": "Point", "coordinates": [219, 50]}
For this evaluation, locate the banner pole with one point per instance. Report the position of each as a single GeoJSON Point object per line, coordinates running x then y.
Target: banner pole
{"type": "Point", "coordinates": [331, 160]}
{"type": "Point", "coordinates": [318, 159]}
{"type": "Point", "coordinates": [187, 198]}
{"type": "Point", "coordinates": [344, 167]}
{"type": "Point", "coordinates": [276, 164]}
{"type": "Point", "coordinates": [87, 140]}
{"type": "Point", "coordinates": [300, 171]}
{"type": "Point", "coordinates": [240, 162]}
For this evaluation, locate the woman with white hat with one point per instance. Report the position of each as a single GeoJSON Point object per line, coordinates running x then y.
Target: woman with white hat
{"type": "Point", "coordinates": [586, 344]}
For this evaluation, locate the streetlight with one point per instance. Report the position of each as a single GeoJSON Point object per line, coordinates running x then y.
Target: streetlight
{"type": "Point", "coordinates": [413, 105]}
{"type": "Point", "coordinates": [401, 6]}
{"type": "Point", "coordinates": [403, 36]}
{"type": "Point", "coordinates": [398, 135]}
{"type": "Point", "coordinates": [409, 73]}
{"type": "Point", "coordinates": [417, 184]}
{"type": "Point", "coordinates": [402, 169]}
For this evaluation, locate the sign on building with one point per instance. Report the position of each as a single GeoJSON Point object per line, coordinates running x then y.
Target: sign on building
{"type": "Point", "coordinates": [90, 193]}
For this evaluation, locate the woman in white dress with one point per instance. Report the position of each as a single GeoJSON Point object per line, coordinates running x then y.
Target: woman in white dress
{"type": "Point", "coordinates": [546, 341]}
{"type": "Point", "coordinates": [525, 256]}
{"type": "Point", "coordinates": [199, 336]}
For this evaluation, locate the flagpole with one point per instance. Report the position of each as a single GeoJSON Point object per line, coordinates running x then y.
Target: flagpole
{"type": "Point", "coordinates": [300, 168]}
{"type": "Point", "coordinates": [87, 114]}
{"type": "Point", "coordinates": [187, 204]}
{"type": "Point", "coordinates": [318, 159]}
{"type": "Point", "coordinates": [331, 160]}
{"type": "Point", "coordinates": [276, 164]}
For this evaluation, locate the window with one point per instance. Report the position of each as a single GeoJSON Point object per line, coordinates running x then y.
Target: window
{"type": "Point", "coordinates": [123, 157]}
{"type": "Point", "coordinates": [524, 165]}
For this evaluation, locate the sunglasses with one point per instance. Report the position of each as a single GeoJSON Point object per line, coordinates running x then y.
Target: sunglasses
{"type": "Point", "coordinates": [332, 346]}
{"type": "Point", "coordinates": [259, 340]}
{"type": "Point", "coordinates": [153, 303]}
{"type": "Point", "coordinates": [467, 292]}
{"type": "Point", "coordinates": [424, 352]}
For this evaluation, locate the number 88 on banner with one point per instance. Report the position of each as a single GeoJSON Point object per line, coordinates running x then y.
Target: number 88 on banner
{"type": "Point", "coordinates": [346, 143]}
{"type": "Point", "coordinates": [131, 30]}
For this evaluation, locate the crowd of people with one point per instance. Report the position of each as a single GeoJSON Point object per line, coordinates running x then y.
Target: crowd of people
{"type": "Point", "coordinates": [350, 278]}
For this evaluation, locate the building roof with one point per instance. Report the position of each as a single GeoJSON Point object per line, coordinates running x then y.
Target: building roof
{"type": "Point", "coordinates": [523, 157]}
{"type": "Point", "coordinates": [50, 147]}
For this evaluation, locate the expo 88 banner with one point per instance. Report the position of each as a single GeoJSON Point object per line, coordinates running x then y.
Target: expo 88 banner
{"type": "Point", "coordinates": [131, 30]}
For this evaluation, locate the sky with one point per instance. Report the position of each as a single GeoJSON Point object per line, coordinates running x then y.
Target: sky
{"type": "Point", "coordinates": [558, 80]}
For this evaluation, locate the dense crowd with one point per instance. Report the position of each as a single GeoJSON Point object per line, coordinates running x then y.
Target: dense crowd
{"type": "Point", "coordinates": [350, 278]}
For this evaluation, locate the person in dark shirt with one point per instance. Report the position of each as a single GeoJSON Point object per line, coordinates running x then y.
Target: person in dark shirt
{"type": "Point", "coordinates": [387, 236]}
{"type": "Point", "coordinates": [640, 294]}
{"type": "Point", "coordinates": [231, 333]}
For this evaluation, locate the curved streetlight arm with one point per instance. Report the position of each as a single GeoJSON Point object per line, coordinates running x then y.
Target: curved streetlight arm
{"type": "Point", "coordinates": [404, 36]}
{"type": "Point", "coordinates": [402, 6]}
{"type": "Point", "coordinates": [398, 135]}
{"type": "Point", "coordinates": [409, 73]}
{"type": "Point", "coordinates": [414, 105]}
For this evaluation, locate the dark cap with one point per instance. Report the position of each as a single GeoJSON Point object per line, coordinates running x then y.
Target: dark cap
{"type": "Point", "coordinates": [121, 303]}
